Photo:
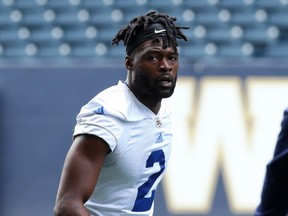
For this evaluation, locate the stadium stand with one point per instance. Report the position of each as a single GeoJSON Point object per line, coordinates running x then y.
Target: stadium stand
{"type": "Point", "coordinates": [84, 28]}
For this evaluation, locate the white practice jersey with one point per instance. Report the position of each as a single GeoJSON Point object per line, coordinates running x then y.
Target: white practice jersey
{"type": "Point", "coordinates": [140, 144]}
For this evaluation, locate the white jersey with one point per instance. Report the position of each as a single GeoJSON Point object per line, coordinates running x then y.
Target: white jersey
{"type": "Point", "coordinates": [140, 144]}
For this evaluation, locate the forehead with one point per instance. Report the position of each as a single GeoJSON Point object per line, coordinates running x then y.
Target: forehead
{"type": "Point", "coordinates": [153, 45]}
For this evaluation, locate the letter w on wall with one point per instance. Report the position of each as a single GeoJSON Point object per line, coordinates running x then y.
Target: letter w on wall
{"type": "Point", "coordinates": [222, 123]}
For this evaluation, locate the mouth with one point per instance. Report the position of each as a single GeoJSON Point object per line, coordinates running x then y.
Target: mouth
{"type": "Point", "coordinates": [166, 81]}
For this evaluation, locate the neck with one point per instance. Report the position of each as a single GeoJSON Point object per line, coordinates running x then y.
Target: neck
{"type": "Point", "coordinates": [151, 103]}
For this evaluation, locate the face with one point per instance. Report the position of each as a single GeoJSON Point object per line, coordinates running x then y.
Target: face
{"type": "Point", "coordinates": [153, 70]}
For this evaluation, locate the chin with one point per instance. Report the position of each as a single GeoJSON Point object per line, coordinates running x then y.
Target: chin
{"type": "Point", "coordinates": [166, 94]}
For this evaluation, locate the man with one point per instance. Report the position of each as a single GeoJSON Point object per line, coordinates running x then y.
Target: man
{"type": "Point", "coordinates": [274, 198]}
{"type": "Point", "coordinates": [122, 138]}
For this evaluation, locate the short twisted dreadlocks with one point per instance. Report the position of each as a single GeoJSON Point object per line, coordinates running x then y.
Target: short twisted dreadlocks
{"type": "Point", "coordinates": [128, 32]}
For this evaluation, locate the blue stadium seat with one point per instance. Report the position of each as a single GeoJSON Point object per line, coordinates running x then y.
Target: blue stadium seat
{"type": "Point", "coordinates": [243, 18]}
{"type": "Point", "coordinates": [117, 51]}
{"type": "Point", "coordinates": [66, 16]}
{"type": "Point", "coordinates": [219, 35]}
{"type": "Point", "coordinates": [199, 4]}
{"type": "Point", "coordinates": [234, 4]}
{"type": "Point", "coordinates": [33, 20]}
{"type": "Point", "coordinates": [131, 5]}
{"type": "Point", "coordinates": [41, 35]}
{"type": "Point", "coordinates": [107, 34]}
{"type": "Point", "coordinates": [279, 19]}
{"type": "Point", "coordinates": [231, 51]}
{"type": "Point", "coordinates": [268, 4]}
{"type": "Point", "coordinates": [194, 51]}
{"type": "Point", "coordinates": [15, 50]}
{"type": "Point", "coordinates": [60, 4]}
{"type": "Point", "coordinates": [48, 50]}
{"type": "Point", "coordinates": [85, 49]}
{"type": "Point", "coordinates": [75, 35]}
{"type": "Point", "coordinates": [24, 5]}
{"type": "Point", "coordinates": [256, 35]}
{"type": "Point", "coordinates": [9, 35]}
{"type": "Point", "coordinates": [278, 50]}
{"type": "Point", "coordinates": [102, 18]}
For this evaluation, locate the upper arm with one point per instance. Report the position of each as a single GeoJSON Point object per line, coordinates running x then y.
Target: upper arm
{"type": "Point", "coordinates": [81, 168]}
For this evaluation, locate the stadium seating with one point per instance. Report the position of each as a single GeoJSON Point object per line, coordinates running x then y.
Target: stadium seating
{"type": "Point", "coordinates": [84, 28]}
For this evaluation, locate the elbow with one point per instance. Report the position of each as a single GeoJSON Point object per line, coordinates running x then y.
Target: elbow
{"type": "Point", "coordinates": [60, 208]}
{"type": "Point", "coordinates": [65, 207]}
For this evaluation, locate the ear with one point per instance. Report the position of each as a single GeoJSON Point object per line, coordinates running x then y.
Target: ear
{"type": "Point", "coordinates": [129, 63]}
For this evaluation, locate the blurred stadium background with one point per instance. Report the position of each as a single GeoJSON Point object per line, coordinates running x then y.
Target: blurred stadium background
{"type": "Point", "coordinates": [55, 55]}
{"type": "Point", "coordinates": [84, 28]}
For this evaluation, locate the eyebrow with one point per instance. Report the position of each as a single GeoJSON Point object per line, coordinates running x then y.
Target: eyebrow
{"type": "Point", "coordinates": [152, 49]}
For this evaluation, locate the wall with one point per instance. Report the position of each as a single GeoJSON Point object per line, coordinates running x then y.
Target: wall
{"type": "Point", "coordinates": [38, 106]}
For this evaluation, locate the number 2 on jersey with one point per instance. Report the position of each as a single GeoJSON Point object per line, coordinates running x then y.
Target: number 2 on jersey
{"type": "Point", "coordinates": [142, 203]}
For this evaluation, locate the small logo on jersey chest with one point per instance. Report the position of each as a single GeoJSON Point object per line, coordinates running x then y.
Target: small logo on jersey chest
{"type": "Point", "coordinates": [158, 123]}
{"type": "Point", "coordinates": [159, 138]}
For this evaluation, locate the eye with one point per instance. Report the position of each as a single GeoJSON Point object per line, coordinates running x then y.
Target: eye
{"type": "Point", "coordinates": [152, 57]}
{"type": "Point", "coordinates": [173, 57]}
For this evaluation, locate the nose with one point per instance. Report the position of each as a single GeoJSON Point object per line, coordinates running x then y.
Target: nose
{"type": "Point", "coordinates": [165, 65]}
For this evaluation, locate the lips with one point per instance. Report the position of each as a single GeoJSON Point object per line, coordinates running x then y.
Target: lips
{"type": "Point", "coordinates": [166, 81]}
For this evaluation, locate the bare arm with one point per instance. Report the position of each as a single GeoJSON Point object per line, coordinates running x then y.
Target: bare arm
{"type": "Point", "coordinates": [79, 175]}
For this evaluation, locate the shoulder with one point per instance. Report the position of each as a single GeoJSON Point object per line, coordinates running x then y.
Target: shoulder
{"type": "Point", "coordinates": [116, 101]}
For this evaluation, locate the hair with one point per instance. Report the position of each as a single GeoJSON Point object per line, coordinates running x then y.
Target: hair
{"type": "Point", "coordinates": [127, 32]}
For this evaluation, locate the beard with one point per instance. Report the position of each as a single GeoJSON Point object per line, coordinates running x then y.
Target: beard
{"type": "Point", "coordinates": [153, 88]}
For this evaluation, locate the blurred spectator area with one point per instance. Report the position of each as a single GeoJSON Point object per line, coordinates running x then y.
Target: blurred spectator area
{"type": "Point", "coordinates": [40, 29]}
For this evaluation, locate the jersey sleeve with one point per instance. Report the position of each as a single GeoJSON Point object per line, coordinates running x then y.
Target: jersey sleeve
{"type": "Point", "coordinates": [104, 126]}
